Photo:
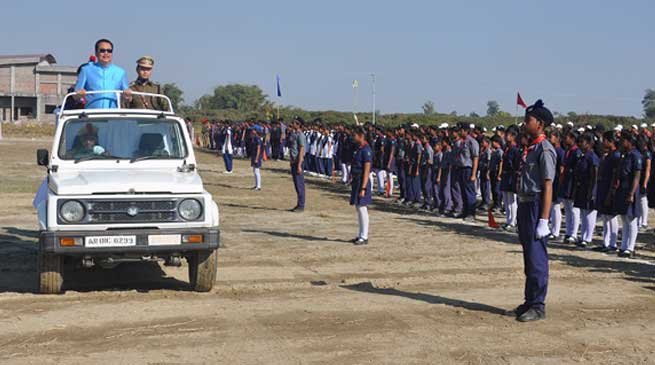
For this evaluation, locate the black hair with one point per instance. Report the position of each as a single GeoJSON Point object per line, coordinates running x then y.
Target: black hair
{"type": "Point", "coordinates": [610, 137]}
{"type": "Point", "coordinates": [513, 130]}
{"type": "Point", "coordinates": [556, 133]}
{"type": "Point", "coordinates": [497, 139]}
{"type": "Point", "coordinates": [103, 40]}
{"type": "Point", "coordinates": [359, 130]}
{"type": "Point", "coordinates": [540, 112]}
{"type": "Point", "coordinates": [628, 136]}
{"type": "Point", "coordinates": [588, 137]}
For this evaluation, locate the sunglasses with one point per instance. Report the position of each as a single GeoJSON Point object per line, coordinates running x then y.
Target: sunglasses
{"type": "Point", "coordinates": [105, 50]}
{"type": "Point", "coordinates": [146, 69]}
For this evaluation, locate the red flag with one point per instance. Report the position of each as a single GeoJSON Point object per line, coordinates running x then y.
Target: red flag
{"type": "Point", "coordinates": [519, 101]}
{"type": "Point", "coordinates": [491, 221]}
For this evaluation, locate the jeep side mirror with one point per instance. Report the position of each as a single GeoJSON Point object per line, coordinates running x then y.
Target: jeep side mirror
{"type": "Point", "coordinates": [42, 157]}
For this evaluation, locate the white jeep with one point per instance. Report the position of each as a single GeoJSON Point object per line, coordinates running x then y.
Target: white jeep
{"type": "Point", "coordinates": [122, 186]}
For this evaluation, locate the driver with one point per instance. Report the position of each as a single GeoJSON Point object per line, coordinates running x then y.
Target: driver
{"type": "Point", "coordinates": [88, 147]}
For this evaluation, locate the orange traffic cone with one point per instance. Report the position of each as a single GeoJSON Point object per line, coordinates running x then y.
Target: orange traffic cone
{"type": "Point", "coordinates": [264, 156]}
{"type": "Point", "coordinates": [491, 221]}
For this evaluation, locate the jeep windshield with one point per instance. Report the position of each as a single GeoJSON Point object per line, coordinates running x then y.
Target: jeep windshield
{"type": "Point", "coordinates": [120, 138]}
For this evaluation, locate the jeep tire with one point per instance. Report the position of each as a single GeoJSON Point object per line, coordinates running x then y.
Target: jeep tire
{"type": "Point", "coordinates": [202, 269]}
{"type": "Point", "coordinates": [50, 270]}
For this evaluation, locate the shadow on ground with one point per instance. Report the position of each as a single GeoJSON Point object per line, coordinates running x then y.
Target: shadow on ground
{"type": "Point", "coordinates": [18, 272]}
{"type": "Point", "coordinates": [367, 287]}
{"type": "Point", "coordinates": [302, 237]}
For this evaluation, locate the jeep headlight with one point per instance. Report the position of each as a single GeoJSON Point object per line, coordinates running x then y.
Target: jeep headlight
{"type": "Point", "coordinates": [190, 209]}
{"type": "Point", "coordinates": [72, 211]}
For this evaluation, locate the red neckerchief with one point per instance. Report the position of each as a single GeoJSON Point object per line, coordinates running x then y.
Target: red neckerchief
{"type": "Point", "coordinates": [570, 151]}
{"type": "Point", "coordinates": [533, 145]}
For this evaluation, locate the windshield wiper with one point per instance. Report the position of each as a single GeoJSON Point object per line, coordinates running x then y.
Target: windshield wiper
{"type": "Point", "coordinates": [97, 157]}
{"type": "Point", "coordinates": [143, 158]}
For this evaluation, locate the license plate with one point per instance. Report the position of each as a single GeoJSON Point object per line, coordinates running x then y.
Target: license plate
{"type": "Point", "coordinates": [110, 241]}
{"type": "Point", "coordinates": [164, 239]}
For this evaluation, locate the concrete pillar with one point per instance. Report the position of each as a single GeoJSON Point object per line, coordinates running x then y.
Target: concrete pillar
{"type": "Point", "coordinates": [12, 84]}
{"type": "Point", "coordinates": [59, 85]}
{"type": "Point", "coordinates": [37, 87]}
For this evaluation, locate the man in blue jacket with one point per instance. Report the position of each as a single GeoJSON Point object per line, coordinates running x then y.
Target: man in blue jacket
{"type": "Point", "coordinates": [102, 75]}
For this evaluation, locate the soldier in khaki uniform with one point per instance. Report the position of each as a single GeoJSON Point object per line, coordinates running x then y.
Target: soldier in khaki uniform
{"type": "Point", "coordinates": [145, 85]}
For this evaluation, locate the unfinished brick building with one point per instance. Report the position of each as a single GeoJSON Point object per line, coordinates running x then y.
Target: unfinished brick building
{"type": "Point", "coordinates": [31, 86]}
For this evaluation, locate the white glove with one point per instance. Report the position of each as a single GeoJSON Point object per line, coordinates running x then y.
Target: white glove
{"type": "Point", "coordinates": [542, 229]}
{"type": "Point", "coordinates": [98, 150]}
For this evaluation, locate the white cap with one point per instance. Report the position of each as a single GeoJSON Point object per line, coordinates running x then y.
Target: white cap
{"type": "Point", "coordinates": [472, 126]}
{"type": "Point", "coordinates": [581, 129]}
{"type": "Point", "coordinates": [644, 125]}
{"type": "Point", "coordinates": [570, 124]}
{"type": "Point", "coordinates": [443, 125]}
{"type": "Point", "coordinates": [492, 129]}
{"type": "Point", "coordinates": [589, 127]}
{"type": "Point", "coordinates": [484, 129]}
{"type": "Point", "coordinates": [559, 126]}
{"type": "Point", "coordinates": [414, 125]}
{"type": "Point", "coordinates": [521, 124]}
{"type": "Point", "coordinates": [618, 128]}
{"type": "Point", "coordinates": [653, 125]}
{"type": "Point", "coordinates": [634, 126]}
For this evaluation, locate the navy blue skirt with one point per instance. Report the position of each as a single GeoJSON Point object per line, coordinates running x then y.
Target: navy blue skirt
{"type": "Point", "coordinates": [356, 184]}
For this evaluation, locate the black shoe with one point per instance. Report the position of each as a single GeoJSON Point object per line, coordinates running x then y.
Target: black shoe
{"type": "Point", "coordinates": [600, 249]}
{"type": "Point", "coordinates": [532, 314]}
{"type": "Point", "coordinates": [297, 210]}
{"type": "Point", "coordinates": [626, 254]}
{"type": "Point", "coordinates": [518, 311]}
{"type": "Point", "coordinates": [354, 240]}
{"type": "Point", "coordinates": [360, 242]}
{"type": "Point", "coordinates": [469, 219]}
{"type": "Point", "coordinates": [582, 244]}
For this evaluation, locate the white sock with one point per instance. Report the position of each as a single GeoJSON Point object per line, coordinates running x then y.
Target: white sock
{"type": "Point", "coordinates": [610, 230]}
{"type": "Point", "coordinates": [643, 211]}
{"type": "Point", "coordinates": [588, 224]}
{"type": "Point", "coordinates": [362, 218]}
{"type": "Point", "coordinates": [381, 177]}
{"type": "Point", "coordinates": [556, 219]}
{"type": "Point", "coordinates": [258, 177]}
{"type": "Point", "coordinates": [630, 229]}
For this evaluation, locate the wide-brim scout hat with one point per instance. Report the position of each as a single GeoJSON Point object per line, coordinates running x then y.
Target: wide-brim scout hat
{"type": "Point", "coordinates": [146, 61]}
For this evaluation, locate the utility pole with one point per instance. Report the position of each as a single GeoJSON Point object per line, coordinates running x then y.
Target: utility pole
{"type": "Point", "coordinates": [373, 79]}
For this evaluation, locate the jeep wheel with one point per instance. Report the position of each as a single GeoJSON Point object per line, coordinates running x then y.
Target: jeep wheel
{"type": "Point", "coordinates": [50, 270]}
{"type": "Point", "coordinates": [202, 269]}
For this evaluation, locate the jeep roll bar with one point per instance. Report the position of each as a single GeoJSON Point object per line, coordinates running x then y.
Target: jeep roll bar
{"type": "Point", "coordinates": [119, 94]}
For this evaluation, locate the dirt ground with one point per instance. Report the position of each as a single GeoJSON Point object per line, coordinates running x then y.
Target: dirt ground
{"type": "Point", "coordinates": [291, 290]}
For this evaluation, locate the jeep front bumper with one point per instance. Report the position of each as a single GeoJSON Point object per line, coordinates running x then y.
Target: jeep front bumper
{"type": "Point", "coordinates": [50, 241]}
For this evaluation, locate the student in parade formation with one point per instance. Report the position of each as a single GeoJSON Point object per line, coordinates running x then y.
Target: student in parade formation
{"type": "Point", "coordinates": [256, 154]}
{"type": "Point", "coordinates": [361, 191]}
{"type": "Point", "coordinates": [535, 191]}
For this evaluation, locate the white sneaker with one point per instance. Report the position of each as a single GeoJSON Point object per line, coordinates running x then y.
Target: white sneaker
{"type": "Point", "coordinates": [228, 172]}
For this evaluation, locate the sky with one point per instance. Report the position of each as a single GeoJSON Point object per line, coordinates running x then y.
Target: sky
{"type": "Point", "coordinates": [583, 56]}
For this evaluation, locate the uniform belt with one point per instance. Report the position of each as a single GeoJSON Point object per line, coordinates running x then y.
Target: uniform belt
{"type": "Point", "coordinates": [526, 198]}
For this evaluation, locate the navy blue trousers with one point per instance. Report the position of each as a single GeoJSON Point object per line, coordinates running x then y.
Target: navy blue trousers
{"type": "Point", "coordinates": [468, 191]}
{"type": "Point", "coordinates": [299, 185]}
{"type": "Point", "coordinates": [436, 191]}
{"type": "Point", "coordinates": [227, 158]}
{"type": "Point", "coordinates": [456, 189]}
{"type": "Point", "coordinates": [485, 190]}
{"type": "Point", "coordinates": [427, 184]}
{"type": "Point", "coordinates": [445, 192]}
{"type": "Point", "coordinates": [402, 180]}
{"type": "Point", "coordinates": [535, 254]}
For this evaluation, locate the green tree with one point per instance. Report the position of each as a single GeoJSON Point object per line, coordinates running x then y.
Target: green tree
{"type": "Point", "coordinates": [428, 108]}
{"type": "Point", "coordinates": [493, 108]}
{"type": "Point", "coordinates": [236, 96]}
{"type": "Point", "coordinates": [473, 115]}
{"type": "Point", "coordinates": [649, 103]}
{"type": "Point", "coordinates": [174, 93]}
